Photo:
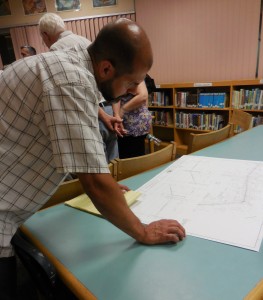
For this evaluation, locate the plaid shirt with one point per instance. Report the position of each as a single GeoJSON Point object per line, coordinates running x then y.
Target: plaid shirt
{"type": "Point", "coordinates": [48, 127]}
{"type": "Point", "coordinates": [68, 39]}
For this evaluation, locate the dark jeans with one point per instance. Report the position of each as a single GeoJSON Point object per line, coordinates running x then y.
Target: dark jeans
{"type": "Point", "coordinates": [131, 146]}
{"type": "Point", "coordinates": [15, 282]}
{"type": "Point", "coordinates": [8, 278]}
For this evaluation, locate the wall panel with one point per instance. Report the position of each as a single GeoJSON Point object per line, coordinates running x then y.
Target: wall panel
{"type": "Point", "coordinates": [201, 40]}
{"type": "Point", "coordinates": [89, 28]}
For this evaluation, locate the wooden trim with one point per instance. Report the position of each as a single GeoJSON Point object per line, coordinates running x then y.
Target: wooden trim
{"type": "Point", "coordinates": [256, 293]}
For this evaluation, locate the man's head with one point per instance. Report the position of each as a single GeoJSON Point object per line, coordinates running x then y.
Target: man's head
{"type": "Point", "coordinates": [50, 27]}
{"type": "Point", "coordinates": [27, 51]}
{"type": "Point", "coordinates": [121, 56]}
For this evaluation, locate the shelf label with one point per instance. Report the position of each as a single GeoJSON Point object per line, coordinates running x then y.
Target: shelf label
{"type": "Point", "coordinates": [197, 84]}
{"type": "Point", "coordinates": [261, 81]}
{"type": "Point", "coordinates": [157, 86]}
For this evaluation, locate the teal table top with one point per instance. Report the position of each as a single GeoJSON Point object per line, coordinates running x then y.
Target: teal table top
{"type": "Point", "coordinates": [115, 267]}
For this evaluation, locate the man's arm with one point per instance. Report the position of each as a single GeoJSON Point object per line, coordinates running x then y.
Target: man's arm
{"type": "Point", "coordinates": [109, 200]}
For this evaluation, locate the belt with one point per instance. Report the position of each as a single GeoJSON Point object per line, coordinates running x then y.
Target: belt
{"type": "Point", "coordinates": [105, 103]}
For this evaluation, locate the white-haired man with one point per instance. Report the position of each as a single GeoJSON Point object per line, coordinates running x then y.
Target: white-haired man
{"type": "Point", "coordinates": [55, 36]}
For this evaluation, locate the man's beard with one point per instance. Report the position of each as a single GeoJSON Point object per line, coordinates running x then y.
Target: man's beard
{"type": "Point", "coordinates": [106, 90]}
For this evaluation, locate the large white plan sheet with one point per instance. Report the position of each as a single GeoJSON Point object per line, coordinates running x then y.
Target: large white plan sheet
{"type": "Point", "coordinates": [213, 198]}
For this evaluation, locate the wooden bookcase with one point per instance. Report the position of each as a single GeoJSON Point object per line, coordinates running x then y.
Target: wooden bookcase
{"type": "Point", "coordinates": [181, 108]}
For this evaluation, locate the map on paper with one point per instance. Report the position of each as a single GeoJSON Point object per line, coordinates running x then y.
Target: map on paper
{"type": "Point", "coordinates": [213, 198]}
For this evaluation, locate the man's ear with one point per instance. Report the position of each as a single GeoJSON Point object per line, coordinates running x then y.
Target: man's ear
{"type": "Point", "coordinates": [46, 39]}
{"type": "Point", "coordinates": [45, 35]}
{"type": "Point", "coordinates": [106, 70]}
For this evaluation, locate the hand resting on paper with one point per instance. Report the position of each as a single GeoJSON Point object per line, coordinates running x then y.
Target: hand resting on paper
{"type": "Point", "coordinates": [163, 231]}
{"type": "Point", "coordinates": [115, 209]}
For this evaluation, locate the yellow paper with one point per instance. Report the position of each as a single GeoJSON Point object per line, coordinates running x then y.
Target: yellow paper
{"type": "Point", "coordinates": [84, 203]}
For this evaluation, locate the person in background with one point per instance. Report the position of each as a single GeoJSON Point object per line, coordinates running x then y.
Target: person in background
{"type": "Point", "coordinates": [55, 36]}
{"type": "Point", "coordinates": [137, 121]}
{"type": "Point", "coordinates": [108, 120]}
{"type": "Point", "coordinates": [49, 128]}
{"type": "Point", "coordinates": [26, 51]}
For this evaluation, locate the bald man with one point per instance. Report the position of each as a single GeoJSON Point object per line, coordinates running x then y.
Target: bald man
{"type": "Point", "coordinates": [49, 128]}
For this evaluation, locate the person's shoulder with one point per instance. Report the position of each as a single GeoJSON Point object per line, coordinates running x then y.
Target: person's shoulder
{"type": "Point", "coordinates": [70, 41]}
{"type": "Point", "coordinates": [65, 33]}
{"type": "Point", "coordinates": [81, 39]}
{"type": "Point", "coordinates": [69, 54]}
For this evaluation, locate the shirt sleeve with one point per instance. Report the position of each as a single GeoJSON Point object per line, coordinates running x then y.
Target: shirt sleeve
{"type": "Point", "coordinates": [71, 113]}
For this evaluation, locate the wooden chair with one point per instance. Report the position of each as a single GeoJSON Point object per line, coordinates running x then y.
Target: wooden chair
{"type": "Point", "coordinates": [240, 121]}
{"type": "Point", "coordinates": [202, 140]}
{"type": "Point", "coordinates": [73, 188]}
{"type": "Point", "coordinates": [131, 166]}
{"type": "Point", "coordinates": [113, 169]}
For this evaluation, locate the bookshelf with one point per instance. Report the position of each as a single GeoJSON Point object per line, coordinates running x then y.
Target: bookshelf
{"type": "Point", "coordinates": [181, 108]}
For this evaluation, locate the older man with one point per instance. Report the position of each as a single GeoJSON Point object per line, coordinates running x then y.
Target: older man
{"type": "Point", "coordinates": [55, 36]}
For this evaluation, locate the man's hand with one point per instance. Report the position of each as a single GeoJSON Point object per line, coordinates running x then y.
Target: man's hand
{"type": "Point", "coordinates": [124, 188]}
{"type": "Point", "coordinates": [163, 231]}
{"type": "Point", "coordinates": [108, 120]}
{"type": "Point", "coordinates": [119, 129]}
{"type": "Point", "coordinates": [109, 199]}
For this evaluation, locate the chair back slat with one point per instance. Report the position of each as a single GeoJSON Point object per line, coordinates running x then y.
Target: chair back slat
{"type": "Point", "coordinates": [240, 121]}
{"type": "Point", "coordinates": [202, 140]}
{"type": "Point", "coordinates": [70, 189]}
{"type": "Point", "coordinates": [128, 167]}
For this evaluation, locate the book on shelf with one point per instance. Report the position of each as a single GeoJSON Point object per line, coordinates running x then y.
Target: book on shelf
{"type": "Point", "coordinates": [248, 99]}
{"type": "Point", "coordinates": [260, 101]}
{"type": "Point", "coordinates": [161, 117]}
{"type": "Point", "coordinates": [212, 100]}
{"type": "Point", "coordinates": [199, 121]}
{"type": "Point", "coordinates": [201, 100]}
{"type": "Point", "coordinates": [257, 120]}
{"type": "Point", "coordinates": [159, 98]}
{"type": "Point", "coordinates": [186, 99]}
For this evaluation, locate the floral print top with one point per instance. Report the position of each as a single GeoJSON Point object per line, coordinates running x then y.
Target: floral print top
{"type": "Point", "coordinates": [137, 122]}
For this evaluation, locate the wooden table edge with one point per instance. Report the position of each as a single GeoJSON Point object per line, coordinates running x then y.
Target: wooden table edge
{"type": "Point", "coordinates": [78, 289]}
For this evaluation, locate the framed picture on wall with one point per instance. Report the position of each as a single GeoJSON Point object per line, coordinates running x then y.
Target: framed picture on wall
{"type": "Point", "coordinates": [62, 5]}
{"type": "Point", "coordinates": [32, 7]}
{"type": "Point", "coordinates": [5, 8]}
{"type": "Point", "coordinates": [101, 3]}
